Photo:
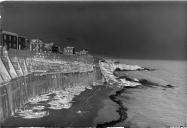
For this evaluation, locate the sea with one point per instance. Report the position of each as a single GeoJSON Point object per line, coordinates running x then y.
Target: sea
{"type": "Point", "coordinates": [157, 107]}
{"type": "Point", "coordinates": [147, 107]}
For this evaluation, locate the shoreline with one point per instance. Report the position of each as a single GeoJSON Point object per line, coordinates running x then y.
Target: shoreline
{"type": "Point", "coordinates": [122, 110]}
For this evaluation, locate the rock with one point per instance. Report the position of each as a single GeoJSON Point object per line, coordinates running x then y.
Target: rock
{"type": "Point", "coordinates": [169, 86]}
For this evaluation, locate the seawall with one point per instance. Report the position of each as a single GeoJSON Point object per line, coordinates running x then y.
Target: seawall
{"type": "Point", "coordinates": [19, 82]}
{"type": "Point", "coordinates": [16, 93]}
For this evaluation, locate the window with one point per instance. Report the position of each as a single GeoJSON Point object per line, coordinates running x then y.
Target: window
{"type": "Point", "coordinates": [14, 38]}
{"type": "Point", "coordinates": [4, 36]}
{"type": "Point", "coordinates": [14, 45]}
{"type": "Point", "coordinates": [9, 38]}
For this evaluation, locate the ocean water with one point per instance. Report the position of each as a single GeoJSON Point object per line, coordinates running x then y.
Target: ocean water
{"type": "Point", "coordinates": [157, 106]}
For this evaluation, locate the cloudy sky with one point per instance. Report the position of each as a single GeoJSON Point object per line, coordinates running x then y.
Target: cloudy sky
{"type": "Point", "coordinates": [147, 30]}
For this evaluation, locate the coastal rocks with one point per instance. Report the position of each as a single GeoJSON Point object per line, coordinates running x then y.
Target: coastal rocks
{"type": "Point", "coordinates": [125, 67]}
{"type": "Point", "coordinates": [169, 86]}
{"type": "Point", "coordinates": [107, 70]}
{"type": "Point", "coordinates": [115, 73]}
{"type": "Point", "coordinates": [135, 69]}
{"type": "Point", "coordinates": [144, 82]}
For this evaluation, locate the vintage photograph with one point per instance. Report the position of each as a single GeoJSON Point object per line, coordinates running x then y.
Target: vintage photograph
{"type": "Point", "coordinates": [93, 64]}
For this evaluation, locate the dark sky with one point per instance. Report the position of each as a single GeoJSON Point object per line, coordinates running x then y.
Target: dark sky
{"type": "Point", "coordinates": [148, 30]}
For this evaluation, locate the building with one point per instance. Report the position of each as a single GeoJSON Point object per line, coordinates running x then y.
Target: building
{"type": "Point", "coordinates": [37, 45]}
{"type": "Point", "coordinates": [27, 43]}
{"type": "Point", "coordinates": [84, 52]}
{"type": "Point", "coordinates": [9, 40]}
{"type": "Point", "coordinates": [13, 40]}
{"type": "Point", "coordinates": [69, 50]}
{"type": "Point", "coordinates": [55, 49]}
{"type": "Point", "coordinates": [77, 53]}
{"type": "Point", "coordinates": [23, 42]}
{"type": "Point", "coordinates": [48, 46]}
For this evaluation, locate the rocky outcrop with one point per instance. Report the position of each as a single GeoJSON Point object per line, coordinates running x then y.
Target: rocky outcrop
{"type": "Point", "coordinates": [107, 69]}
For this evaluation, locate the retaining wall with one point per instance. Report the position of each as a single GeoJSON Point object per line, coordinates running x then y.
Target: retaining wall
{"type": "Point", "coordinates": [16, 93]}
{"type": "Point", "coordinates": [17, 84]}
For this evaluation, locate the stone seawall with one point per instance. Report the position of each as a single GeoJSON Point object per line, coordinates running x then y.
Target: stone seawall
{"type": "Point", "coordinates": [15, 94]}
{"type": "Point", "coordinates": [21, 77]}
{"type": "Point", "coordinates": [20, 81]}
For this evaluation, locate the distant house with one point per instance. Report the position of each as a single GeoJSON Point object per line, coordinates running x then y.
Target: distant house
{"type": "Point", "coordinates": [9, 39]}
{"type": "Point", "coordinates": [13, 40]}
{"type": "Point", "coordinates": [84, 52]}
{"type": "Point", "coordinates": [77, 53]}
{"type": "Point", "coordinates": [37, 45]}
{"type": "Point", "coordinates": [23, 42]}
{"type": "Point", "coordinates": [27, 43]}
{"type": "Point", "coordinates": [69, 50]}
{"type": "Point", "coordinates": [55, 49]}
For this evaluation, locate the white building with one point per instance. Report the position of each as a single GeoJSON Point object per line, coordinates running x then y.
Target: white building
{"type": "Point", "coordinates": [69, 50]}
{"type": "Point", "coordinates": [37, 45]}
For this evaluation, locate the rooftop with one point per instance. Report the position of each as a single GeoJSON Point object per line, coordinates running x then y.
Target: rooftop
{"type": "Point", "coordinates": [10, 33]}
